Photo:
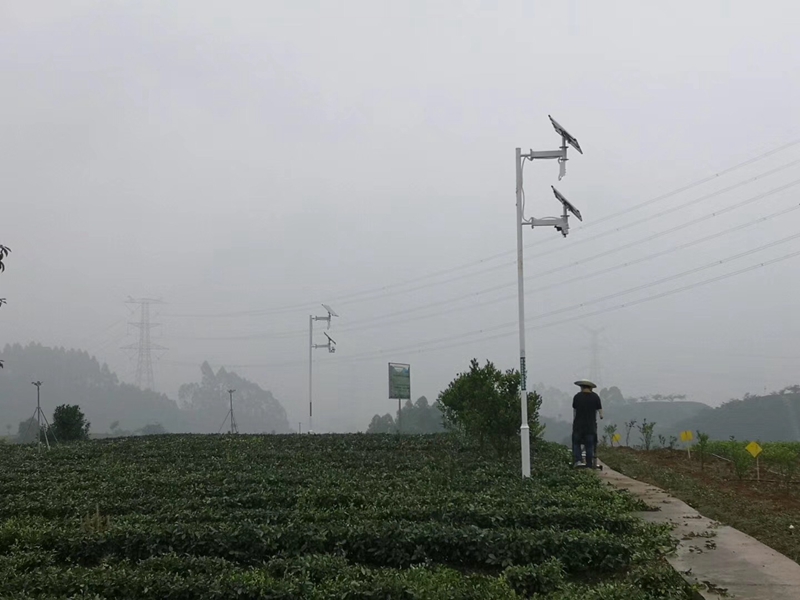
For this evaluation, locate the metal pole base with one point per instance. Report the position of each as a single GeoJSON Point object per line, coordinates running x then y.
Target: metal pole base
{"type": "Point", "coordinates": [525, 439]}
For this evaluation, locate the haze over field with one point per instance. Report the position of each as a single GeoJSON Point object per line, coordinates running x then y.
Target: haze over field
{"type": "Point", "coordinates": [247, 161]}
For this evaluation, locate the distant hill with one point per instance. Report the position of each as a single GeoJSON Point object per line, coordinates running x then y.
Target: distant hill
{"type": "Point", "coordinates": [771, 418]}
{"type": "Point", "coordinates": [666, 415]}
{"type": "Point", "coordinates": [75, 377]}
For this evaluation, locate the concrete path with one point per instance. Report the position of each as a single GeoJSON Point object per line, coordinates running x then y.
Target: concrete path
{"type": "Point", "coordinates": [725, 561]}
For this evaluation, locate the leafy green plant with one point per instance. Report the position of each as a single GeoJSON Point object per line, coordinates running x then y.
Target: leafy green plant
{"type": "Point", "coordinates": [610, 431]}
{"type": "Point", "coordinates": [484, 404]}
{"type": "Point", "coordinates": [673, 441]}
{"type": "Point", "coordinates": [646, 434]}
{"type": "Point", "coordinates": [544, 578]}
{"type": "Point", "coordinates": [662, 441]}
{"type": "Point", "coordinates": [702, 448]}
{"type": "Point", "coordinates": [347, 516]}
{"type": "Point", "coordinates": [628, 427]}
{"type": "Point", "coordinates": [96, 523]}
{"type": "Point", "coordinates": [740, 459]}
{"type": "Point", "coordinates": [783, 458]}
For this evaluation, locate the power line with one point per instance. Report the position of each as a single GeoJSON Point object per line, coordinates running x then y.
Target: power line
{"type": "Point", "coordinates": [630, 290]}
{"type": "Point", "coordinates": [444, 343]}
{"type": "Point", "coordinates": [600, 311]}
{"type": "Point", "coordinates": [375, 321]}
{"type": "Point", "coordinates": [560, 269]}
{"type": "Point", "coordinates": [380, 291]}
{"type": "Point", "coordinates": [747, 162]}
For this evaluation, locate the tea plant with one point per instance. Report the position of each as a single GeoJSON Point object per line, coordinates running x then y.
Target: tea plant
{"type": "Point", "coordinates": [322, 517]}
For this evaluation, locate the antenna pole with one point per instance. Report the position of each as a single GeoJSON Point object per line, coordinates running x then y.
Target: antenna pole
{"type": "Point", "coordinates": [39, 416]}
{"type": "Point", "coordinates": [38, 385]}
{"type": "Point", "coordinates": [330, 347]}
{"type": "Point", "coordinates": [524, 430]}
{"type": "Point", "coordinates": [310, 376]}
{"type": "Point", "coordinates": [234, 427]}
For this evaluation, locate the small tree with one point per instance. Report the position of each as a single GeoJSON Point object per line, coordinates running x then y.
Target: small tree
{"type": "Point", "coordinates": [610, 431]}
{"type": "Point", "coordinates": [702, 448]}
{"type": "Point", "coordinates": [69, 424]}
{"type": "Point", "coordinates": [382, 424]}
{"type": "Point", "coordinates": [646, 434]}
{"type": "Point", "coordinates": [628, 427]}
{"type": "Point", "coordinates": [483, 403]}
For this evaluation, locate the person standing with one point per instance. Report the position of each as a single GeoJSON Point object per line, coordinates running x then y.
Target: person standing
{"type": "Point", "coordinates": [586, 405]}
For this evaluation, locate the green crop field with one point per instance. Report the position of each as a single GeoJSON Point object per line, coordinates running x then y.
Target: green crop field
{"type": "Point", "coordinates": [349, 516]}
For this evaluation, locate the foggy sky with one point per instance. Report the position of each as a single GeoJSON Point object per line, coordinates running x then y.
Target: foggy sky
{"type": "Point", "coordinates": [246, 161]}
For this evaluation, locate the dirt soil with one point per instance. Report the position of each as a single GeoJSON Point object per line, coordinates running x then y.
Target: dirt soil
{"type": "Point", "coordinates": [768, 510]}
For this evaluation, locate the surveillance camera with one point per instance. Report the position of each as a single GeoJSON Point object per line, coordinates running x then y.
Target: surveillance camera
{"type": "Point", "coordinates": [565, 135]}
{"type": "Point", "coordinates": [567, 204]}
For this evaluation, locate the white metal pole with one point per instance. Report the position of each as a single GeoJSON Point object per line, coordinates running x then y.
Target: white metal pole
{"type": "Point", "coordinates": [524, 430]}
{"type": "Point", "coordinates": [310, 384]}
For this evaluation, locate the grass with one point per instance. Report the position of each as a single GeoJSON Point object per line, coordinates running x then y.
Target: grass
{"type": "Point", "coordinates": [763, 510]}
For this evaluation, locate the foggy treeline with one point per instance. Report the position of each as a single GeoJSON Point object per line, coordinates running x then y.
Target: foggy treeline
{"type": "Point", "coordinates": [75, 377]}
{"type": "Point", "coordinates": [115, 407]}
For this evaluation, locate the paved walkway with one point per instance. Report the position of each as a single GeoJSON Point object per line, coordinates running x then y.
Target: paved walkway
{"type": "Point", "coordinates": [727, 562]}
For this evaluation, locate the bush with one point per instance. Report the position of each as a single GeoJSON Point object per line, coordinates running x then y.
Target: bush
{"type": "Point", "coordinates": [646, 434]}
{"type": "Point", "coordinates": [484, 404]}
{"type": "Point", "coordinates": [783, 458]}
{"type": "Point", "coordinates": [544, 578]}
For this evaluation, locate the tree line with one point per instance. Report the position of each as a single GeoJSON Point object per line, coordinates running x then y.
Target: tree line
{"type": "Point", "coordinates": [74, 378]}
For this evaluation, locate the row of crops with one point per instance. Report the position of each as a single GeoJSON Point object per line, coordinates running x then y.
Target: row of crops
{"type": "Point", "coordinates": [317, 517]}
{"type": "Point", "coordinates": [779, 460]}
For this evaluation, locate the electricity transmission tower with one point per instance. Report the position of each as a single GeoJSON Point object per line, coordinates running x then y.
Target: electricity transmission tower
{"type": "Point", "coordinates": [144, 359]}
{"type": "Point", "coordinates": [595, 370]}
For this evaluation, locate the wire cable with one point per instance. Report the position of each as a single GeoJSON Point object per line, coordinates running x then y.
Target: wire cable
{"type": "Point", "coordinates": [381, 320]}
{"type": "Point", "coordinates": [381, 291]}
{"type": "Point", "coordinates": [478, 335]}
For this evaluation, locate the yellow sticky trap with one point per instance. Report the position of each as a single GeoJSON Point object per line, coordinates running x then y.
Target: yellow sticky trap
{"type": "Point", "coordinates": [754, 449]}
{"type": "Point", "coordinates": [616, 437]}
{"type": "Point", "coordinates": [687, 436]}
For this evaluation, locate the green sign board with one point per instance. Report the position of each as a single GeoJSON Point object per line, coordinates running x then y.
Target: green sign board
{"type": "Point", "coordinates": [399, 381]}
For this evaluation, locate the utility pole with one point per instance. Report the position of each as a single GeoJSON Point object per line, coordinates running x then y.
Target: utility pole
{"type": "Point", "coordinates": [561, 224]}
{"type": "Point", "coordinates": [144, 360]}
{"type": "Point", "coordinates": [330, 346]}
{"type": "Point", "coordinates": [234, 428]}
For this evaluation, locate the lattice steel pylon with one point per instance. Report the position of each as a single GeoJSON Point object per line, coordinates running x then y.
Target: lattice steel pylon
{"type": "Point", "coordinates": [144, 359]}
{"type": "Point", "coordinates": [596, 371]}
